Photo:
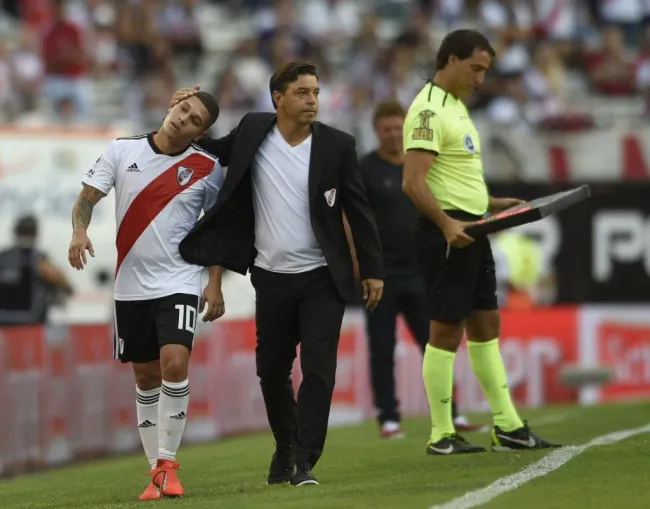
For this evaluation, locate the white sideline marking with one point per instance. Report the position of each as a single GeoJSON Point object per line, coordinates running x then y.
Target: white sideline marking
{"type": "Point", "coordinates": [540, 468]}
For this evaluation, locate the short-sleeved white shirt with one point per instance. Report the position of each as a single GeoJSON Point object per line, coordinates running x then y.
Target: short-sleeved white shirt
{"type": "Point", "coordinates": [159, 198]}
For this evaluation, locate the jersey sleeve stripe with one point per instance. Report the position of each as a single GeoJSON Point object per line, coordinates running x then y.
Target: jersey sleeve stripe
{"type": "Point", "coordinates": [134, 137]}
{"type": "Point", "coordinates": [200, 149]}
{"type": "Point", "coordinates": [155, 197]}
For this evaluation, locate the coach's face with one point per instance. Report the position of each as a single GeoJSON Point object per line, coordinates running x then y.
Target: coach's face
{"type": "Point", "coordinates": [300, 101]}
{"type": "Point", "coordinates": [471, 72]}
{"type": "Point", "coordinates": [187, 120]}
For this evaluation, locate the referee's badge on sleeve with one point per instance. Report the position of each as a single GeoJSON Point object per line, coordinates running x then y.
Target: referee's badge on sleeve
{"type": "Point", "coordinates": [424, 132]}
{"type": "Point", "coordinates": [469, 143]}
{"type": "Point", "coordinates": [330, 197]}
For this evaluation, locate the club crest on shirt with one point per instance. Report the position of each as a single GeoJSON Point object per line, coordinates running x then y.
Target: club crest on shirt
{"type": "Point", "coordinates": [183, 175]}
{"type": "Point", "coordinates": [469, 144]}
{"type": "Point", "coordinates": [330, 197]}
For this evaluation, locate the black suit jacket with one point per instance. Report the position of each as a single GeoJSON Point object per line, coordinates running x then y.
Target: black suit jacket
{"type": "Point", "coordinates": [225, 235]}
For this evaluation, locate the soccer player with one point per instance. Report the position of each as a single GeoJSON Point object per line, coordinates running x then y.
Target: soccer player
{"type": "Point", "coordinates": [162, 182]}
{"type": "Point", "coordinates": [443, 175]}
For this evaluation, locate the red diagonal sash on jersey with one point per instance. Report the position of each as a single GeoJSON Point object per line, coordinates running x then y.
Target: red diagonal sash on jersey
{"type": "Point", "coordinates": [155, 197]}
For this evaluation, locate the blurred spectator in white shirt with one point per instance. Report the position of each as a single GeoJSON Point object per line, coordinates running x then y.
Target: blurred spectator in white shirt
{"type": "Point", "coordinates": [245, 79]}
{"type": "Point", "coordinates": [178, 21]}
{"type": "Point", "coordinates": [642, 78]}
{"type": "Point", "coordinates": [557, 20]}
{"type": "Point", "coordinates": [159, 85]}
{"type": "Point", "coordinates": [508, 109]}
{"type": "Point", "coordinates": [282, 37]}
{"type": "Point", "coordinates": [27, 67]}
{"type": "Point", "coordinates": [7, 90]}
{"type": "Point", "coordinates": [545, 83]}
{"type": "Point", "coordinates": [330, 21]}
{"type": "Point", "coordinates": [418, 41]}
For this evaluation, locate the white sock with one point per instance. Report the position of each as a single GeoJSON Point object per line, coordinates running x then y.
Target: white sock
{"type": "Point", "coordinates": [172, 415]}
{"type": "Point", "coordinates": [146, 403]}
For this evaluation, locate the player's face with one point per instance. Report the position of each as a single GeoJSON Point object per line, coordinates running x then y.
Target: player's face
{"type": "Point", "coordinates": [471, 71]}
{"type": "Point", "coordinates": [187, 120]}
{"type": "Point", "coordinates": [389, 133]}
{"type": "Point", "coordinates": [300, 101]}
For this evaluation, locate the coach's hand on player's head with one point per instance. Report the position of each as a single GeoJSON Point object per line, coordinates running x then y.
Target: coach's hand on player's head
{"type": "Point", "coordinates": [455, 233]}
{"type": "Point", "coordinates": [372, 292]}
{"type": "Point", "coordinates": [212, 302]}
{"type": "Point", "coordinates": [183, 93]}
{"type": "Point", "coordinates": [78, 246]}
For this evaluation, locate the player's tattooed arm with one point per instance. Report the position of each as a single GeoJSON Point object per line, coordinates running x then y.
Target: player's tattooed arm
{"type": "Point", "coordinates": [82, 212]}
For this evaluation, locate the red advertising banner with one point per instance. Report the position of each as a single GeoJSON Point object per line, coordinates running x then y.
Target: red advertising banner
{"type": "Point", "coordinates": [617, 337]}
{"type": "Point", "coordinates": [535, 345]}
{"type": "Point", "coordinates": [59, 406]}
{"type": "Point", "coordinates": [69, 399]}
{"type": "Point", "coordinates": [626, 348]}
{"type": "Point", "coordinates": [23, 398]}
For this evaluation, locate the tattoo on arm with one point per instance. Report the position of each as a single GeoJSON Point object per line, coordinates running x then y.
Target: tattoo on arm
{"type": "Point", "coordinates": [82, 212]}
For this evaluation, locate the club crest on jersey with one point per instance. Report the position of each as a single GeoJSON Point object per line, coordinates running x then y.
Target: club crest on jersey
{"type": "Point", "coordinates": [183, 175]}
{"type": "Point", "coordinates": [330, 197]}
{"type": "Point", "coordinates": [469, 144]}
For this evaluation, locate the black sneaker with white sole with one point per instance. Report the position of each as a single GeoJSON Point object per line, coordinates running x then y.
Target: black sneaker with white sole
{"type": "Point", "coordinates": [453, 444]}
{"type": "Point", "coordinates": [303, 476]}
{"type": "Point", "coordinates": [282, 467]}
{"type": "Point", "coordinates": [518, 440]}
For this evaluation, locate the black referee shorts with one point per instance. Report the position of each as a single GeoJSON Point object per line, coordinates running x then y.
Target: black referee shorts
{"type": "Point", "coordinates": [458, 280]}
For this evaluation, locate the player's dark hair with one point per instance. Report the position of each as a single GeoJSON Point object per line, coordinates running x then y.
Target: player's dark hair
{"type": "Point", "coordinates": [289, 73]}
{"type": "Point", "coordinates": [388, 108]}
{"type": "Point", "coordinates": [461, 43]}
{"type": "Point", "coordinates": [26, 226]}
{"type": "Point", "coordinates": [210, 104]}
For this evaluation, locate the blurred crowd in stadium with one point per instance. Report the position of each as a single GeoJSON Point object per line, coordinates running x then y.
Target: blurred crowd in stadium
{"type": "Point", "coordinates": [111, 61]}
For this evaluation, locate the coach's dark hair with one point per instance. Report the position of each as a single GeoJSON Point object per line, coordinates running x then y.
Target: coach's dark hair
{"type": "Point", "coordinates": [461, 43]}
{"type": "Point", "coordinates": [210, 104]}
{"type": "Point", "coordinates": [289, 73]}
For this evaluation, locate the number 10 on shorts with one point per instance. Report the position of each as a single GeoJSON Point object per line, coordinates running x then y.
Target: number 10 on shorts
{"type": "Point", "coordinates": [186, 317]}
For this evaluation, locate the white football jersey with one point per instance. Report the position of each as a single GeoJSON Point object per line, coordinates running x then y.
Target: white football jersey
{"type": "Point", "coordinates": [158, 199]}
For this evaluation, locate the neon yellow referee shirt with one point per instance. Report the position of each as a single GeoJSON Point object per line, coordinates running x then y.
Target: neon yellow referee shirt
{"type": "Point", "coordinates": [438, 122]}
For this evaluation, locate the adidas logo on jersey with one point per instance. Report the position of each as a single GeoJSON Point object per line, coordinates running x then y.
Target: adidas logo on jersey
{"type": "Point", "coordinates": [133, 168]}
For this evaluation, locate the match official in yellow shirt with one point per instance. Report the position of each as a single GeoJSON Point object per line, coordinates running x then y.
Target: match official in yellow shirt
{"type": "Point", "coordinates": [443, 176]}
